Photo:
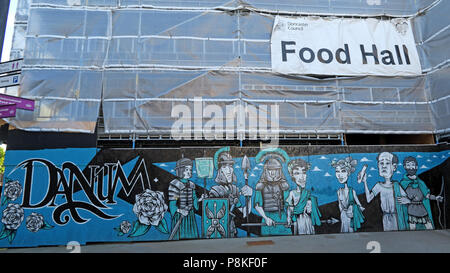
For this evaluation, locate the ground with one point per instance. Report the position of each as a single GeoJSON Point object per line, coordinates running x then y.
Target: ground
{"type": "Point", "coordinates": [435, 241]}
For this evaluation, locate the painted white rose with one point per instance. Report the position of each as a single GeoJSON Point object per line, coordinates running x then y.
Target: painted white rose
{"type": "Point", "coordinates": [12, 216]}
{"type": "Point", "coordinates": [35, 222]}
{"type": "Point", "coordinates": [13, 189]}
{"type": "Point", "coordinates": [125, 227]}
{"type": "Point", "coordinates": [150, 207]}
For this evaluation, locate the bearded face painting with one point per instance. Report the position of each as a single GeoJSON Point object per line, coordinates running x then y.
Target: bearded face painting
{"type": "Point", "coordinates": [418, 195]}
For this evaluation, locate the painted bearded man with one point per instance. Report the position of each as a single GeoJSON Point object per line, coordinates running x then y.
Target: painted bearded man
{"type": "Point", "coordinates": [183, 201]}
{"type": "Point", "coordinates": [418, 196]}
{"type": "Point", "coordinates": [226, 188]}
{"type": "Point", "coordinates": [272, 190]}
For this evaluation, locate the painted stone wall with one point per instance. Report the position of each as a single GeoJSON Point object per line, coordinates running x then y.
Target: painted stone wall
{"type": "Point", "coordinates": [54, 196]}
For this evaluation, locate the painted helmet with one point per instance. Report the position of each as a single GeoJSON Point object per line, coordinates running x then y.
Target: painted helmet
{"type": "Point", "coordinates": [181, 163]}
{"type": "Point", "coordinates": [273, 164]}
{"type": "Point", "coordinates": [225, 158]}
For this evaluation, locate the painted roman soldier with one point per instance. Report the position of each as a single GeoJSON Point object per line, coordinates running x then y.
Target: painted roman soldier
{"type": "Point", "coordinates": [272, 190]}
{"type": "Point", "coordinates": [183, 201]}
{"type": "Point", "coordinates": [226, 186]}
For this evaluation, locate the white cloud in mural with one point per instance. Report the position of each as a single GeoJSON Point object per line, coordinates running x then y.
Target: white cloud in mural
{"type": "Point", "coordinates": [323, 157]}
{"type": "Point", "coordinates": [365, 159]}
{"type": "Point", "coordinates": [424, 167]}
{"type": "Point", "coordinates": [419, 156]}
{"type": "Point", "coordinates": [398, 172]}
{"type": "Point", "coordinates": [443, 156]}
{"type": "Point", "coordinates": [252, 175]}
{"type": "Point", "coordinates": [434, 156]}
{"type": "Point", "coordinates": [369, 175]}
{"type": "Point", "coordinates": [327, 174]}
{"type": "Point", "coordinates": [428, 160]}
{"type": "Point", "coordinates": [316, 169]}
{"type": "Point", "coordinates": [260, 164]}
{"type": "Point", "coordinates": [256, 168]}
{"type": "Point", "coordinates": [237, 167]}
{"type": "Point", "coordinates": [372, 169]}
{"type": "Point", "coordinates": [162, 165]}
{"type": "Point", "coordinates": [172, 171]}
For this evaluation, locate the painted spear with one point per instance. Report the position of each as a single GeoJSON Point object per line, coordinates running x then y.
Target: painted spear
{"type": "Point", "coordinates": [246, 167]}
{"type": "Point", "coordinates": [330, 221]}
{"type": "Point", "coordinates": [439, 208]}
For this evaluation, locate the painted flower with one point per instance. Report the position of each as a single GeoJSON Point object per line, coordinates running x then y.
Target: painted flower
{"type": "Point", "coordinates": [150, 207]}
{"type": "Point", "coordinates": [125, 227]}
{"type": "Point", "coordinates": [12, 191]}
{"type": "Point", "coordinates": [347, 163]}
{"type": "Point", "coordinates": [35, 222]}
{"type": "Point", "coordinates": [12, 216]}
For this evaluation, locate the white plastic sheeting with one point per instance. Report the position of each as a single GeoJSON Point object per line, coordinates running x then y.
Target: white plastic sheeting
{"type": "Point", "coordinates": [140, 58]}
{"type": "Point", "coordinates": [439, 92]}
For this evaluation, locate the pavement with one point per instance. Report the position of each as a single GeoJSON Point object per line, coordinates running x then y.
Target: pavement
{"type": "Point", "coordinates": [430, 241]}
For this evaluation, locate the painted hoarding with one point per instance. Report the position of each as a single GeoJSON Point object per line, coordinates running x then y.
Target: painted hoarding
{"type": "Point", "coordinates": [54, 196]}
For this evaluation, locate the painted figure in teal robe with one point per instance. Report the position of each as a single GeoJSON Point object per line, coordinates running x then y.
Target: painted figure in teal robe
{"type": "Point", "coordinates": [183, 201]}
{"type": "Point", "coordinates": [418, 197]}
{"type": "Point", "coordinates": [395, 215]}
{"type": "Point", "coordinates": [271, 193]}
{"type": "Point", "coordinates": [303, 210]}
{"type": "Point", "coordinates": [349, 205]}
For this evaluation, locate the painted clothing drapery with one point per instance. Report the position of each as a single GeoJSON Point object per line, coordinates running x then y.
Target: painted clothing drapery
{"type": "Point", "coordinates": [305, 213]}
{"type": "Point", "coordinates": [182, 202]}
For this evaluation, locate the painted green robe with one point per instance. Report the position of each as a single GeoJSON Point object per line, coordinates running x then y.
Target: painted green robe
{"type": "Point", "coordinates": [408, 182]}
{"type": "Point", "coordinates": [188, 226]}
{"type": "Point", "coordinates": [275, 216]}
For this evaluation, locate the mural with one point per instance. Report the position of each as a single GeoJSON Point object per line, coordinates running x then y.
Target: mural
{"type": "Point", "coordinates": [54, 196]}
{"type": "Point", "coordinates": [349, 205]}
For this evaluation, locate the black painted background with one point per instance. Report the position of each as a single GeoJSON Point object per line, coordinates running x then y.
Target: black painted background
{"type": "Point", "coordinates": [372, 213]}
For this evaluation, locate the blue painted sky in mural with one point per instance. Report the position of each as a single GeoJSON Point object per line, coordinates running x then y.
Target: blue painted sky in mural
{"type": "Point", "coordinates": [321, 177]}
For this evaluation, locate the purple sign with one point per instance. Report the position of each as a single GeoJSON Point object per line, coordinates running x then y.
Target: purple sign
{"type": "Point", "coordinates": [7, 111]}
{"type": "Point", "coordinates": [21, 103]}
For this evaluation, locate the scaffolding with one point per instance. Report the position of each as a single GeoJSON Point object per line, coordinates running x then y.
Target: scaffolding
{"type": "Point", "coordinates": [120, 66]}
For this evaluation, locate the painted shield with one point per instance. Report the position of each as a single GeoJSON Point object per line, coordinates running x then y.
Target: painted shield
{"type": "Point", "coordinates": [215, 218]}
{"type": "Point", "coordinates": [204, 167]}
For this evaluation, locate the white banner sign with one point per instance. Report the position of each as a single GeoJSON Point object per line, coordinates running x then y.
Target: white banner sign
{"type": "Point", "coordinates": [344, 46]}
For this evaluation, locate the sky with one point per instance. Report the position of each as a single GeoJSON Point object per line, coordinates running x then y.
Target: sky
{"type": "Point", "coordinates": [9, 31]}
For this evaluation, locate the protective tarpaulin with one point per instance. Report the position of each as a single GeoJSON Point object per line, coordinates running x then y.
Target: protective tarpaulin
{"type": "Point", "coordinates": [140, 58]}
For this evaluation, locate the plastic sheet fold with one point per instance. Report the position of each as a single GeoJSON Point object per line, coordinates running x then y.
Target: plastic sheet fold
{"type": "Point", "coordinates": [138, 59]}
